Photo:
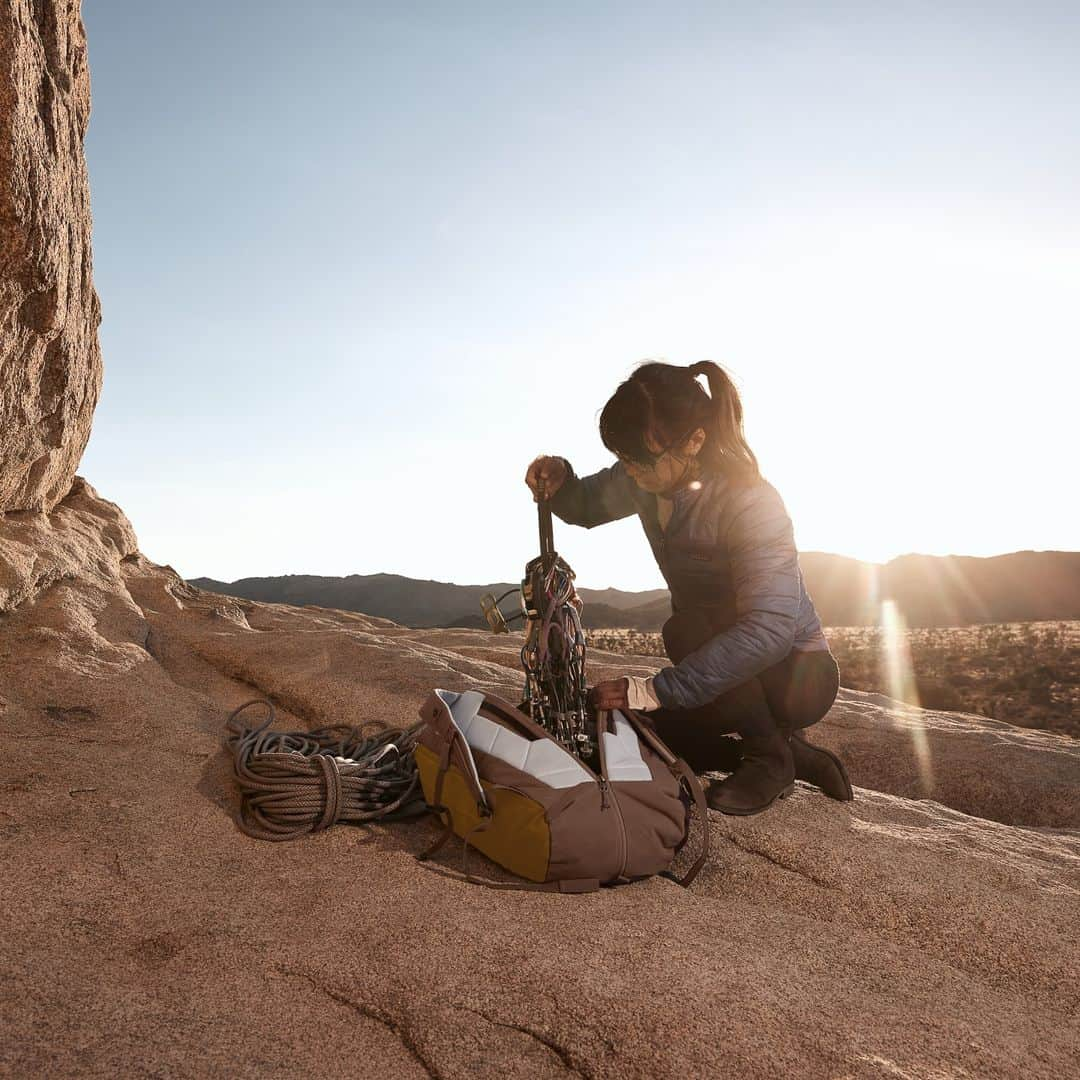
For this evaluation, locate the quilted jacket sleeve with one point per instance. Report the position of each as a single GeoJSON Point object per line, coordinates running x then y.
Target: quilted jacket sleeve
{"type": "Point", "coordinates": [765, 573]}
{"type": "Point", "coordinates": [593, 500]}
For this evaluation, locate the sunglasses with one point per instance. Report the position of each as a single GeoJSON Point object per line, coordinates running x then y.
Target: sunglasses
{"type": "Point", "coordinates": [653, 459]}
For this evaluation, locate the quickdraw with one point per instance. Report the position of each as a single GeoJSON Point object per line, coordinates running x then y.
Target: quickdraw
{"type": "Point", "coordinates": [553, 655]}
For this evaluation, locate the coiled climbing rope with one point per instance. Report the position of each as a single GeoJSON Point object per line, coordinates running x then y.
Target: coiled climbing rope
{"type": "Point", "coordinates": [298, 782]}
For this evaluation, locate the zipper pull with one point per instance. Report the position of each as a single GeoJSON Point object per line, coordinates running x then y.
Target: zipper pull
{"type": "Point", "coordinates": [603, 793]}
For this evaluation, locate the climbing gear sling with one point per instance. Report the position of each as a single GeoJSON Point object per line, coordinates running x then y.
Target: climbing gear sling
{"type": "Point", "coordinates": [553, 656]}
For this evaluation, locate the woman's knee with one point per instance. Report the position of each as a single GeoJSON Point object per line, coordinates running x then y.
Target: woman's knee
{"type": "Point", "coordinates": [828, 682]}
{"type": "Point", "coordinates": [804, 688]}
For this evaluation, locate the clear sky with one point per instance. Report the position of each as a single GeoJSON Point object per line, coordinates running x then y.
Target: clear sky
{"type": "Point", "coordinates": [359, 263]}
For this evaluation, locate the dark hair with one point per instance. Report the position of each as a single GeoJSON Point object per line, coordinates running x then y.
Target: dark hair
{"type": "Point", "coordinates": [669, 402]}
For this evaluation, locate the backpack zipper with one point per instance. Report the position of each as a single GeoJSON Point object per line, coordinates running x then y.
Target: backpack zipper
{"type": "Point", "coordinates": [605, 787]}
{"type": "Point", "coordinates": [609, 798]}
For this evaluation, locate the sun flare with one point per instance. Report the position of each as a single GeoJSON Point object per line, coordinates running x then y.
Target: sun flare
{"type": "Point", "coordinates": [902, 687]}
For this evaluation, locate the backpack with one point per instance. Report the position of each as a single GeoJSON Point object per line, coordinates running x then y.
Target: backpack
{"type": "Point", "coordinates": [501, 782]}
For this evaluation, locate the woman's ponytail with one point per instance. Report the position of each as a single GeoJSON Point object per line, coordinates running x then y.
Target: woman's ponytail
{"type": "Point", "coordinates": [726, 447]}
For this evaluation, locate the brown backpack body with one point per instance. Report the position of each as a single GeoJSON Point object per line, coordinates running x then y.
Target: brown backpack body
{"type": "Point", "coordinates": [503, 784]}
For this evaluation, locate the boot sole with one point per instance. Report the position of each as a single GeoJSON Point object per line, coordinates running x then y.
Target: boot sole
{"type": "Point", "coordinates": [749, 812]}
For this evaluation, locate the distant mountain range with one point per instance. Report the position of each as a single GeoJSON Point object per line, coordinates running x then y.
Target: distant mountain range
{"type": "Point", "coordinates": [928, 590]}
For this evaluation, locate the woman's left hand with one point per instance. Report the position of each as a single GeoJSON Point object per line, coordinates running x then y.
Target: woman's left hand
{"type": "Point", "coordinates": [610, 694]}
{"type": "Point", "coordinates": [629, 692]}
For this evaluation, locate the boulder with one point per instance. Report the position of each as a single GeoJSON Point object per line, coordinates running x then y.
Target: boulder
{"type": "Point", "coordinates": [50, 361]}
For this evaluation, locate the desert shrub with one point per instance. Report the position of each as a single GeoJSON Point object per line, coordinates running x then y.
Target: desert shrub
{"type": "Point", "coordinates": [1020, 674]}
{"type": "Point", "coordinates": [1040, 694]}
{"type": "Point", "coordinates": [937, 694]}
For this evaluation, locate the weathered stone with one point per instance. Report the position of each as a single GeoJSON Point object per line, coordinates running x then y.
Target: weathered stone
{"type": "Point", "coordinates": [84, 537]}
{"type": "Point", "coordinates": [50, 361]}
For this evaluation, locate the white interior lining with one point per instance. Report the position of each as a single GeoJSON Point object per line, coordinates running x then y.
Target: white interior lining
{"type": "Point", "coordinates": [622, 752]}
{"type": "Point", "coordinates": [543, 758]}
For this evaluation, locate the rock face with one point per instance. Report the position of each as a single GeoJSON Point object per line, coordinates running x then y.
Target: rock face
{"type": "Point", "coordinates": [893, 936]}
{"type": "Point", "coordinates": [50, 362]}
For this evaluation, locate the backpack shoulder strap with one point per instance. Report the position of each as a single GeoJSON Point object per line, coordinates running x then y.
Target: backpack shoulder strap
{"type": "Point", "coordinates": [693, 786]}
{"type": "Point", "coordinates": [447, 737]}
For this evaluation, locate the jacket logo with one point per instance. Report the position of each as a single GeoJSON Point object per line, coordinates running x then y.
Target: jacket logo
{"type": "Point", "coordinates": [698, 551]}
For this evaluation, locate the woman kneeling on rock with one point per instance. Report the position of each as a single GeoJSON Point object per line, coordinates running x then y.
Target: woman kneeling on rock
{"type": "Point", "coordinates": [750, 656]}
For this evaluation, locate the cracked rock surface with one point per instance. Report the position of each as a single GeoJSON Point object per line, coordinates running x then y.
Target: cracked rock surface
{"type": "Point", "coordinates": [929, 928]}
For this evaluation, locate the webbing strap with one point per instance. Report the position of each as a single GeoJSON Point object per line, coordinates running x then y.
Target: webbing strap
{"type": "Point", "coordinates": [437, 806]}
{"type": "Point", "coordinates": [693, 786]}
{"type": "Point", "coordinates": [444, 765]}
{"type": "Point", "coordinates": [448, 828]}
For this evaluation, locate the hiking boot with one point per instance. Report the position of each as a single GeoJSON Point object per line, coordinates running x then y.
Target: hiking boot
{"type": "Point", "coordinates": [813, 763]}
{"type": "Point", "coordinates": [765, 774]}
{"type": "Point", "coordinates": [820, 767]}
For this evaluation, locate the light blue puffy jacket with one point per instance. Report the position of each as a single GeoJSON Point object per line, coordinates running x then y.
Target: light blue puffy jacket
{"type": "Point", "coordinates": [727, 548]}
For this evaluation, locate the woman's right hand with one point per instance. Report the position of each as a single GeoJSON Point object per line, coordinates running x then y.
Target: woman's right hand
{"type": "Point", "coordinates": [547, 472]}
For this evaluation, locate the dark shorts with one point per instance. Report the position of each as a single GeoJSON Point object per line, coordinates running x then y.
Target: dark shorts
{"type": "Point", "coordinates": [794, 693]}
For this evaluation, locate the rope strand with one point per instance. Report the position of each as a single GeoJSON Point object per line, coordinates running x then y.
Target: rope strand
{"type": "Point", "coordinates": [296, 782]}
